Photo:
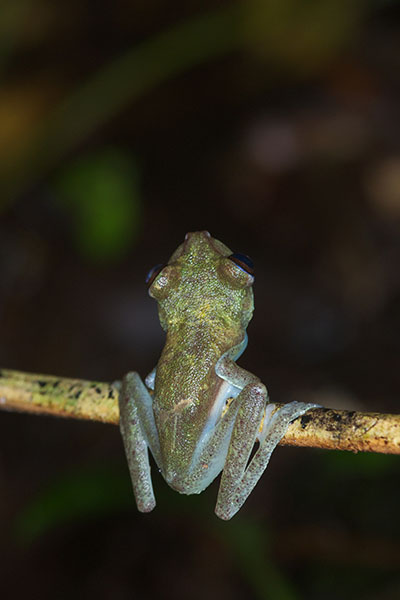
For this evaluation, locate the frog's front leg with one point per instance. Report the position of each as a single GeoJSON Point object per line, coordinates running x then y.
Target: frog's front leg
{"type": "Point", "coordinates": [139, 433]}
{"type": "Point", "coordinates": [239, 478]}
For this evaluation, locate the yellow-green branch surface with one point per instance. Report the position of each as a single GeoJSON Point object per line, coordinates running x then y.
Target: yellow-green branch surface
{"type": "Point", "coordinates": [96, 401]}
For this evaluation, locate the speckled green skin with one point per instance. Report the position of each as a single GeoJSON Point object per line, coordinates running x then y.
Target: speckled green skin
{"type": "Point", "coordinates": [205, 302]}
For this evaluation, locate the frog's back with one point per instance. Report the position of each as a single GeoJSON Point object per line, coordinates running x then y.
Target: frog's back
{"type": "Point", "coordinates": [205, 302]}
{"type": "Point", "coordinates": [187, 390]}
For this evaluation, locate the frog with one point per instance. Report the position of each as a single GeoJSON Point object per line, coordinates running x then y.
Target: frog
{"type": "Point", "coordinates": [198, 412]}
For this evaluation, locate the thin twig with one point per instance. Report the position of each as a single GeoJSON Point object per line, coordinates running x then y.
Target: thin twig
{"type": "Point", "coordinates": [80, 399]}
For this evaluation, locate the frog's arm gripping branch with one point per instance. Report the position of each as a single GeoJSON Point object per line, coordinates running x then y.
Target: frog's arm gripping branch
{"type": "Point", "coordinates": [80, 399]}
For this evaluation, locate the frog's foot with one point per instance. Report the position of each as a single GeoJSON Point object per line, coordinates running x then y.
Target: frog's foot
{"type": "Point", "coordinates": [239, 478]}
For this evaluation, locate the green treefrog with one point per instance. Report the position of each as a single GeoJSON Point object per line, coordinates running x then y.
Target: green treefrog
{"type": "Point", "coordinates": [198, 412]}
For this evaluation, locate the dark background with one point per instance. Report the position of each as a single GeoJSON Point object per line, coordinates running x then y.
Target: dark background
{"type": "Point", "coordinates": [274, 125]}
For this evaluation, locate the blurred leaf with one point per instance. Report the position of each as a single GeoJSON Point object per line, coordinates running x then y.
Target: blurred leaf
{"type": "Point", "coordinates": [85, 494]}
{"type": "Point", "coordinates": [248, 542]}
{"type": "Point", "coordinates": [302, 35]}
{"type": "Point", "coordinates": [101, 192]}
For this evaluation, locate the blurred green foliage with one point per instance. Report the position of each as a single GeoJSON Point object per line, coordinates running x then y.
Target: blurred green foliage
{"type": "Point", "coordinates": [317, 31]}
{"type": "Point", "coordinates": [247, 541]}
{"type": "Point", "coordinates": [101, 194]}
{"type": "Point", "coordinates": [95, 492]}
{"type": "Point", "coordinates": [81, 494]}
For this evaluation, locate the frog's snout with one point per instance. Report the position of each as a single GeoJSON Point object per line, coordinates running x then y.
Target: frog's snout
{"type": "Point", "coordinates": [190, 234]}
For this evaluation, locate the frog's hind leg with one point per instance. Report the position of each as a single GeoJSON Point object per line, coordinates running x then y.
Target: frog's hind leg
{"type": "Point", "coordinates": [139, 433]}
{"type": "Point", "coordinates": [252, 400]}
{"type": "Point", "coordinates": [239, 478]}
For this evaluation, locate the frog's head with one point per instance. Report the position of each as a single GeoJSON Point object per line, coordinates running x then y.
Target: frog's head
{"type": "Point", "coordinates": [204, 282]}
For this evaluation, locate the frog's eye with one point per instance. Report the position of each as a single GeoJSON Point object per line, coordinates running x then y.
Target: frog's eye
{"type": "Point", "coordinates": [243, 261]}
{"type": "Point", "coordinates": [152, 274]}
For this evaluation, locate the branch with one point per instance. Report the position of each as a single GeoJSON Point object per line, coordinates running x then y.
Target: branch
{"type": "Point", "coordinates": [80, 399]}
